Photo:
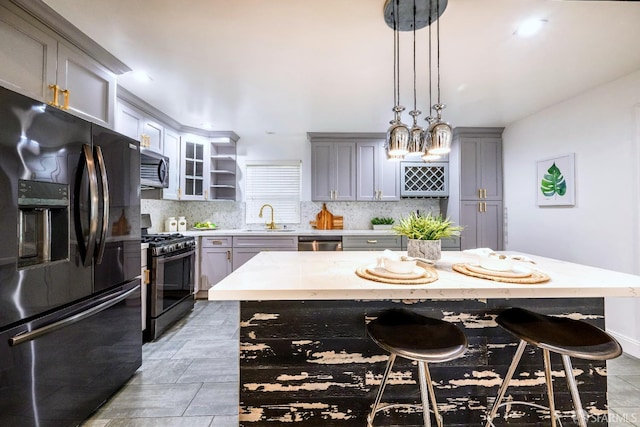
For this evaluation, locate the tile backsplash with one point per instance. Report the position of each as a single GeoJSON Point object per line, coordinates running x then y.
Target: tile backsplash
{"type": "Point", "coordinates": [231, 215]}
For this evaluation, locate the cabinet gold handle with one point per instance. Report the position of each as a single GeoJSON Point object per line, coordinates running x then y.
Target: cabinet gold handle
{"type": "Point", "coordinates": [65, 93]}
{"type": "Point", "coordinates": [372, 241]}
{"type": "Point", "coordinates": [484, 194]}
{"type": "Point", "coordinates": [206, 192]}
{"type": "Point", "coordinates": [215, 242]}
{"type": "Point", "coordinates": [147, 277]}
{"type": "Point", "coordinates": [479, 193]}
{"type": "Point", "coordinates": [479, 206]}
{"type": "Point", "coordinates": [55, 89]}
{"type": "Point", "coordinates": [484, 206]}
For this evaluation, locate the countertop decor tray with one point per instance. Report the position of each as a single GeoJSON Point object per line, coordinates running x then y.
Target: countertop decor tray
{"type": "Point", "coordinates": [535, 276]}
{"type": "Point", "coordinates": [370, 272]}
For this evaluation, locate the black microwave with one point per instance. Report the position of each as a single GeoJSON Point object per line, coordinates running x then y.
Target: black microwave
{"type": "Point", "coordinates": [154, 170]}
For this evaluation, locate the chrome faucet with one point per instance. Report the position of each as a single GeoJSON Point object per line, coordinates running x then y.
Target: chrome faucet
{"type": "Point", "coordinates": [270, 225]}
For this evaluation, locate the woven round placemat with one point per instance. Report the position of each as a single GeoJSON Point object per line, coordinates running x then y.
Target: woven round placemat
{"type": "Point", "coordinates": [536, 276]}
{"type": "Point", "coordinates": [430, 276]}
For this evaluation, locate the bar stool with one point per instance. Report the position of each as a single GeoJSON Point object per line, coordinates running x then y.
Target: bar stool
{"type": "Point", "coordinates": [567, 337]}
{"type": "Point", "coordinates": [415, 337]}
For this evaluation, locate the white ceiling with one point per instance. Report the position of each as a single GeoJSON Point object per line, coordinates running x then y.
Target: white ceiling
{"type": "Point", "coordinates": [293, 66]}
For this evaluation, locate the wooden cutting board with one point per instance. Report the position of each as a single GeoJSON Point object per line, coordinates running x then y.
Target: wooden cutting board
{"type": "Point", "coordinates": [324, 219]}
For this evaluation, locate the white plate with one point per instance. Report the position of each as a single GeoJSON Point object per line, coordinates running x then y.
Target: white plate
{"type": "Point", "coordinates": [381, 272]}
{"type": "Point", "coordinates": [515, 272]}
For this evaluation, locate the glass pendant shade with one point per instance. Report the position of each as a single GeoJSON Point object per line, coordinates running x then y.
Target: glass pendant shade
{"type": "Point", "coordinates": [416, 135]}
{"type": "Point", "coordinates": [441, 134]}
{"type": "Point", "coordinates": [397, 135]}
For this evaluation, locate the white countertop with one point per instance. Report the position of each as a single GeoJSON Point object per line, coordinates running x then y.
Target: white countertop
{"type": "Point", "coordinates": [331, 276]}
{"type": "Point", "coordinates": [282, 232]}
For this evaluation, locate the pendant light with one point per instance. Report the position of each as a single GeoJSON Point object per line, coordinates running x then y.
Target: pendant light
{"type": "Point", "coordinates": [441, 132]}
{"type": "Point", "coordinates": [427, 155]}
{"type": "Point", "coordinates": [416, 133]}
{"type": "Point", "coordinates": [398, 134]}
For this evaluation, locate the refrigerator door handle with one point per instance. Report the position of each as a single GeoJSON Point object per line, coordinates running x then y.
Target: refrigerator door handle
{"type": "Point", "coordinates": [36, 333]}
{"type": "Point", "coordinates": [102, 241]}
{"type": "Point", "coordinates": [88, 251]}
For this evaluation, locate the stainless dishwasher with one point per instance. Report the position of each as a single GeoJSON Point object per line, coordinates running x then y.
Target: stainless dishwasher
{"type": "Point", "coordinates": [319, 243]}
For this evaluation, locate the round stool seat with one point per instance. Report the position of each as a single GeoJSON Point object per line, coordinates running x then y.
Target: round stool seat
{"type": "Point", "coordinates": [417, 337]}
{"type": "Point", "coordinates": [562, 335]}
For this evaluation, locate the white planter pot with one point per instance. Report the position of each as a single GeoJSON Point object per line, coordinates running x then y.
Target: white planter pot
{"type": "Point", "coordinates": [427, 249]}
{"type": "Point", "coordinates": [382, 226]}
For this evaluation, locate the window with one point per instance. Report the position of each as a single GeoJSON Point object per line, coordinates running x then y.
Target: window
{"type": "Point", "coordinates": [276, 183]}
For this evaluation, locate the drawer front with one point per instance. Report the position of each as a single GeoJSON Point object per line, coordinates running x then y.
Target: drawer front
{"type": "Point", "coordinates": [216, 242]}
{"type": "Point", "coordinates": [280, 242]}
{"type": "Point", "coordinates": [371, 242]}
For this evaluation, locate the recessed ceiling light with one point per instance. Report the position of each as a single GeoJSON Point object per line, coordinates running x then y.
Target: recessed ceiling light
{"type": "Point", "coordinates": [529, 27]}
{"type": "Point", "coordinates": [142, 76]}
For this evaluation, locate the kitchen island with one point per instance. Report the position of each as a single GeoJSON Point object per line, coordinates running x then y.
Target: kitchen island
{"type": "Point", "coordinates": [306, 358]}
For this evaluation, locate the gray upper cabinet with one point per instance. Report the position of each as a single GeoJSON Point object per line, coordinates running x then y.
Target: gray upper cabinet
{"type": "Point", "coordinates": [352, 166]}
{"type": "Point", "coordinates": [333, 166]}
{"type": "Point", "coordinates": [152, 136]}
{"type": "Point", "coordinates": [28, 57]}
{"type": "Point", "coordinates": [38, 64]}
{"type": "Point", "coordinates": [481, 172]}
{"type": "Point", "coordinates": [377, 178]}
{"type": "Point", "coordinates": [129, 121]}
{"type": "Point", "coordinates": [172, 151]}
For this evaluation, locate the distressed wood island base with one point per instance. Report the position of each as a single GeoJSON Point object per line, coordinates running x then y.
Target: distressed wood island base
{"type": "Point", "coordinates": [309, 362]}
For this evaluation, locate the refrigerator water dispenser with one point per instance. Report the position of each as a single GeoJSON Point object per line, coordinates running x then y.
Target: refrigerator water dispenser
{"type": "Point", "coordinates": [43, 223]}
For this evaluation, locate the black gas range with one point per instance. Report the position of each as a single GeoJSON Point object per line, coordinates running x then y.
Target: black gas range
{"type": "Point", "coordinates": [170, 295]}
{"type": "Point", "coordinates": [167, 244]}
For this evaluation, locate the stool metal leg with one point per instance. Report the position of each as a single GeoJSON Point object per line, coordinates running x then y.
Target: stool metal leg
{"type": "Point", "coordinates": [425, 379]}
{"type": "Point", "coordinates": [549, 381]}
{"type": "Point", "coordinates": [387, 371]}
{"type": "Point", "coordinates": [505, 382]}
{"type": "Point", "coordinates": [573, 387]}
{"type": "Point", "coordinates": [432, 393]}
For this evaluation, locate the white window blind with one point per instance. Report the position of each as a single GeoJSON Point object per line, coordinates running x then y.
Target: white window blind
{"type": "Point", "coordinates": [276, 183]}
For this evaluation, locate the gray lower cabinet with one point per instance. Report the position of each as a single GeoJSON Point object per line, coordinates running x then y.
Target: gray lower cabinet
{"type": "Point", "coordinates": [215, 261]}
{"type": "Point", "coordinates": [38, 64]}
{"type": "Point", "coordinates": [246, 247]}
{"type": "Point", "coordinates": [482, 224]}
{"type": "Point", "coordinates": [371, 243]}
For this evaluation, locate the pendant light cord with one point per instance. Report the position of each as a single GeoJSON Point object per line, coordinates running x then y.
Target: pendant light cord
{"type": "Point", "coordinates": [438, 46]}
{"type": "Point", "coordinates": [415, 102]}
{"type": "Point", "coordinates": [395, 57]}
{"type": "Point", "coordinates": [397, 50]}
{"type": "Point", "coordinates": [430, 65]}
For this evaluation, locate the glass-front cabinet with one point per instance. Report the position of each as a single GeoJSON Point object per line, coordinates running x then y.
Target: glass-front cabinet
{"type": "Point", "coordinates": [195, 176]}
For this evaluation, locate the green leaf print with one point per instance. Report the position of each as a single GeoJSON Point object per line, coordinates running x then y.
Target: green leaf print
{"type": "Point", "coordinates": [553, 182]}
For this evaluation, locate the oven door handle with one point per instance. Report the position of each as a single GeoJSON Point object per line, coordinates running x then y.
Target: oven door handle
{"type": "Point", "coordinates": [102, 241]}
{"type": "Point", "coordinates": [163, 259]}
{"type": "Point", "coordinates": [113, 300]}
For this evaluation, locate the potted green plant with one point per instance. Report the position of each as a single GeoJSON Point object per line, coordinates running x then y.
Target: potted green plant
{"type": "Point", "coordinates": [382, 223]}
{"type": "Point", "coordinates": [424, 233]}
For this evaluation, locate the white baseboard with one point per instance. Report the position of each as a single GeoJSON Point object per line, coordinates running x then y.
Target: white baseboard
{"type": "Point", "coordinates": [630, 346]}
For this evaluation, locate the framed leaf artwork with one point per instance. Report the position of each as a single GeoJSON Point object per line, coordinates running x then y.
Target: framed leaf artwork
{"type": "Point", "coordinates": [555, 185]}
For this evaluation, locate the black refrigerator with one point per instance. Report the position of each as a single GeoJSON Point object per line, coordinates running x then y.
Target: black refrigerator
{"type": "Point", "coordinates": [70, 309]}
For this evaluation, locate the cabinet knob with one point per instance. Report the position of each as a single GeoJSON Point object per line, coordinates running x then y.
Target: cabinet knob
{"type": "Point", "coordinates": [215, 242]}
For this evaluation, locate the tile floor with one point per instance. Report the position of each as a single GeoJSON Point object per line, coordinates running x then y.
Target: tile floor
{"type": "Point", "coordinates": [189, 378]}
